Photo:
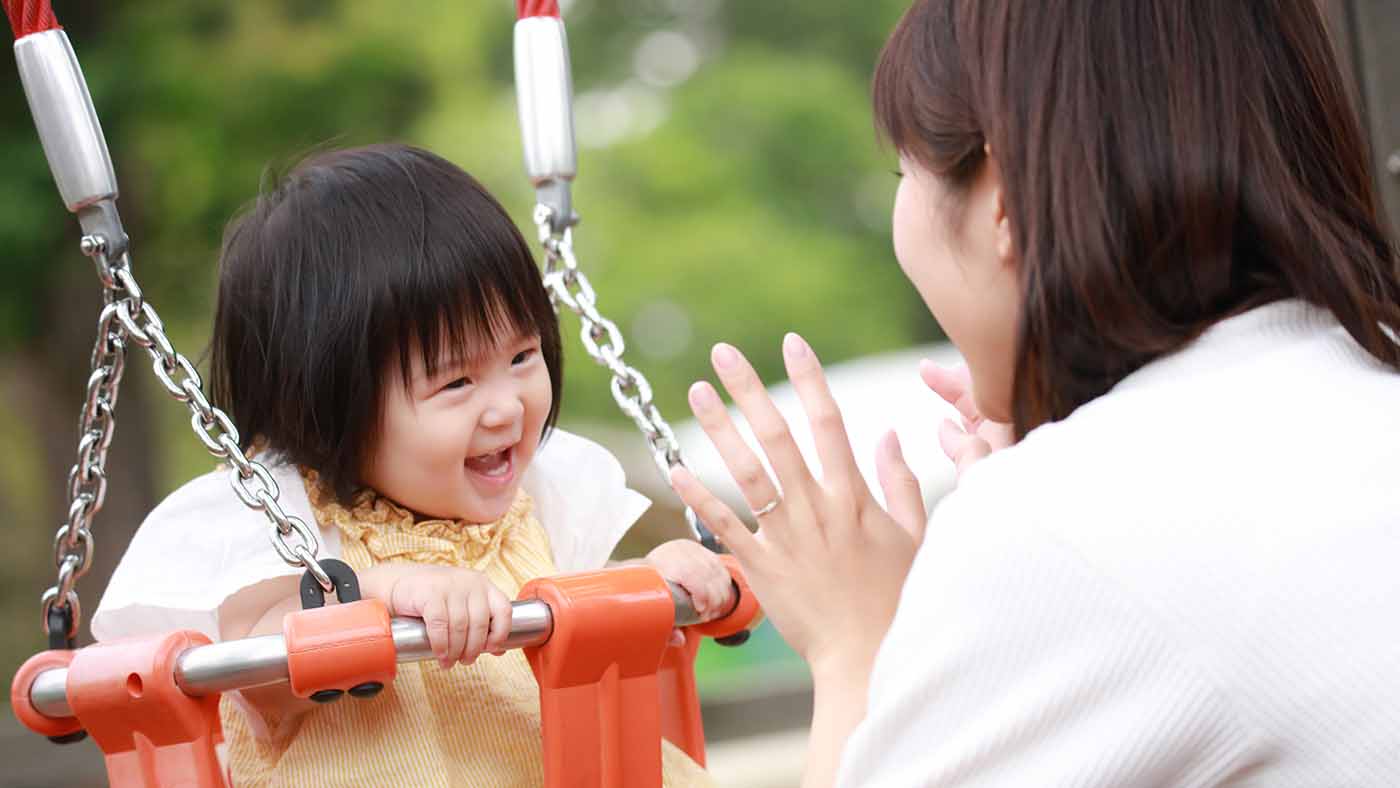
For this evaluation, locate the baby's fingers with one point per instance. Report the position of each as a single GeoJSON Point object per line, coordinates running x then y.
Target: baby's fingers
{"type": "Point", "coordinates": [459, 617]}
{"type": "Point", "coordinates": [438, 621]}
{"type": "Point", "coordinates": [501, 613]}
{"type": "Point", "coordinates": [722, 592]}
{"type": "Point", "coordinates": [478, 624]}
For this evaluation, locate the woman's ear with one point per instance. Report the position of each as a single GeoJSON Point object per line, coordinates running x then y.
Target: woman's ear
{"type": "Point", "coordinates": [1005, 251]}
{"type": "Point", "coordinates": [1002, 242]}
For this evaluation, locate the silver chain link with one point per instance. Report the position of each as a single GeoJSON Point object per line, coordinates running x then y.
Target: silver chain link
{"type": "Point", "coordinates": [127, 317]}
{"type": "Point", "coordinates": [603, 342]}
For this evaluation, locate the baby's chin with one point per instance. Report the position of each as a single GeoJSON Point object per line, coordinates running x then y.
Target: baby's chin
{"type": "Point", "coordinates": [481, 512]}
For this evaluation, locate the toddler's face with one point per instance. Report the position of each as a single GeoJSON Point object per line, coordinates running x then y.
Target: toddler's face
{"type": "Point", "coordinates": [455, 445]}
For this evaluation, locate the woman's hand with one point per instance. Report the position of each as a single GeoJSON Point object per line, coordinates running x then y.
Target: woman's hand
{"type": "Point", "coordinates": [977, 436]}
{"type": "Point", "coordinates": [828, 562]}
{"type": "Point", "coordinates": [465, 613]}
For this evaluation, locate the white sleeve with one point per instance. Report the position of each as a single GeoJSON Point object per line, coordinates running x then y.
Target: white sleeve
{"type": "Point", "coordinates": [582, 500]}
{"type": "Point", "coordinates": [197, 555]}
{"type": "Point", "coordinates": [1012, 662]}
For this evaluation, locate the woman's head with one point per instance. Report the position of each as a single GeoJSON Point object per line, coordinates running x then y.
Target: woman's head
{"type": "Point", "coordinates": [380, 319]}
{"type": "Point", "coordinates": [1094, 183]}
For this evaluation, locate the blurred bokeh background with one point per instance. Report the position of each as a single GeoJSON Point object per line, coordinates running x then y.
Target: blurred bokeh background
{"type": "Point", "coordinates": [730, 183]}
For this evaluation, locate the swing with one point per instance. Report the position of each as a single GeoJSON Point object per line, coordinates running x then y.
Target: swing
{"type": "Point", "coordinates": [610, 685]}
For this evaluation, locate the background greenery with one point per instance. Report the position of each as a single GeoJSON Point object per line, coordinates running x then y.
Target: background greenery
{"type": "Point", "coordinates": [729, 179]}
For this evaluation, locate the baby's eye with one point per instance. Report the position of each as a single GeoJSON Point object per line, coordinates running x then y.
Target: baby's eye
{"type": "Point", "coordinates": [523, 356]}
{"type": "Point", "coordinates": [459, 383]}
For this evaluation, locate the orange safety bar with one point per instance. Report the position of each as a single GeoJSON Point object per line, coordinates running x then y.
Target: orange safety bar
{"type": "Point", "coordinates": [19, 694]}
{"type": "Point", "coordinates": [681, 723]}
{"type": "Point", "coordinates": [340, 648]}
{"type": "Point", "coordinates": [152, 733]}
{"type": "Point", "coordinates": [610, 685]}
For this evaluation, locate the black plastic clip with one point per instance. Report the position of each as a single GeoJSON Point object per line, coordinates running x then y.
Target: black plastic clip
{"type": "Point", "coordinates": [347, 589]}
{"type": "Point", "coordinates": [61, 638]}
{"type": "Point", "coordinates": [347, 585]}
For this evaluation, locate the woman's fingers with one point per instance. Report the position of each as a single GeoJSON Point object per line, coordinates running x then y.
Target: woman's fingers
{"type": "Point", "coordinates": [828, 428]}
{"type": "Point", "coordinates": [758, 489]}
{"type": "Point", "coordinates": [963, 448]}
{"type": "Point", "coordinates": [767, 423]}
{"type": "Point", "coordinates": [954, 386]}
{"type": "Point", "coordinates": [903, 498]}
{"type": "Point", "coordinates": [718, 517]}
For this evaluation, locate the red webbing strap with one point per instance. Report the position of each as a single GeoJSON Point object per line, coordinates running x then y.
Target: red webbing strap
{"type": "Point", "coordinates": [528, 8]}
{"type": "Point", "coordinates": [30, 16]}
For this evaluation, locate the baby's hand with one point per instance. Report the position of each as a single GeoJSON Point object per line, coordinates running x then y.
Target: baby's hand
{"type": "Point", "coordinates": [699, 572]}
{"type": "Point", "coordinates": [465, 614]}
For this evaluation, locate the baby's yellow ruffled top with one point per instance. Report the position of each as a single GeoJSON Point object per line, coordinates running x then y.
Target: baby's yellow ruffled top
{"type": "Point", "coordinates": [476, 725]}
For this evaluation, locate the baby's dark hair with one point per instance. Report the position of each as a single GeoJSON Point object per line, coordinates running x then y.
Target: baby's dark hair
{"type": "Point", "coordinates": [354, 262]}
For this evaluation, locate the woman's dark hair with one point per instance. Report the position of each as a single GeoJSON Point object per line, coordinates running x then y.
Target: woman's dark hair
{"type": "Point", "coordinates": [357, 260]}
{"type": "Point", "coordinates": [1164, 164]}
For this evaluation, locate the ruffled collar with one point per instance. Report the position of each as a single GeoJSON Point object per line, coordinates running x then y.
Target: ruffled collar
{"type": "Point", "coordinates": [392, 533]}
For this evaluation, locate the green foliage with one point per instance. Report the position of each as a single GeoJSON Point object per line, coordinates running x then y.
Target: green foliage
{"type": "Point", "coordinates": [752, 201]}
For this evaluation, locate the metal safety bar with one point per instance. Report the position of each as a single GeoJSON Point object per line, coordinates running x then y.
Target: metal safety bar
{"type": "Point", "coordinates": [262, 660]}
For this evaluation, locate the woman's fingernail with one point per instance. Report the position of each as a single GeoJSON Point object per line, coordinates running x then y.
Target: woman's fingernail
{"type": "Point", "coordinates": [724, 356]}
{"type": "Point", "coordinates": [795, 346]}
{"type": "Point", "coordinates": [702, 395]}
{"type": "Point", "coordinates": [892, 445]}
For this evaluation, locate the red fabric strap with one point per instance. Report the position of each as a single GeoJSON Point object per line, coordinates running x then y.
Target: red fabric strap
{"type": "Point", "coordinates": [528, 8]}
{"type": "Point", "coordinates": [30, 16]}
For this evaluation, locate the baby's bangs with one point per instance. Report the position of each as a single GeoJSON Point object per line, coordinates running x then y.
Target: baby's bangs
{"type": "Point", "coordinates": [474, 309]}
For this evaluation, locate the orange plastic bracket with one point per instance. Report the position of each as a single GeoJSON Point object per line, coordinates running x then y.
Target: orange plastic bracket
{"type": "Point", "coordinates": [601, 719]}
{"type": "Point", "coordinates": [24, 707]}
{"type": "Point", "coordinates": [745, 613]}
{"type": "Point", "coordinates": [153, 734]}
{"type": "Point", "coordinates": [681, 723]}
{"type": "Point", "coordinates": [339, 647]}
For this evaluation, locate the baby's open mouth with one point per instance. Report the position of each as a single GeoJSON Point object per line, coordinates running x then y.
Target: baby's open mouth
{"type": "Point", "coordinates": [496, 463]}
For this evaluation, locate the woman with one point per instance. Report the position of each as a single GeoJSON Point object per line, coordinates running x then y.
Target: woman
{"type": "Point", "coordinates": [1151, 229]}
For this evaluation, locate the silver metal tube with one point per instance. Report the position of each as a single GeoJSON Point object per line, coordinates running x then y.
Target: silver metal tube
{"type": "Point", "coordinates": [71, 134]}
{"type": "Point", "coordinates": [544, 98]}
{"type": "Point", "coordinates": [63, 113]}
{"type": "Point", "coordinates": [256, 661]}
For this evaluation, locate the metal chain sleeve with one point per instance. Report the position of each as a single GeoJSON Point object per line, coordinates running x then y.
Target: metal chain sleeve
{"type": "Point", "coordinates": [127, 316]}
{"type": "Point", "coordinates": [604, 344]}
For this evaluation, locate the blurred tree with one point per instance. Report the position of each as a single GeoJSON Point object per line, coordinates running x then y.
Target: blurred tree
{"type": "Point", "coordinates": [730, 184]}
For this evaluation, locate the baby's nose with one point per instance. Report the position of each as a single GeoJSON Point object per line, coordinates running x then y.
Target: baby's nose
{"type": "Point", "coordinates": [502, 411]}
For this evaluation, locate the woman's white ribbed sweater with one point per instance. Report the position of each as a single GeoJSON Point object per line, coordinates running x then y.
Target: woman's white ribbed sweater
{"type": "Point", "coordinates": [1193, 580]}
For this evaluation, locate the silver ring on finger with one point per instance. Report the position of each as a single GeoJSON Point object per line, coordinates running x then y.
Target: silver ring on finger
{"type": "Point", "coordinates": [768, 507]}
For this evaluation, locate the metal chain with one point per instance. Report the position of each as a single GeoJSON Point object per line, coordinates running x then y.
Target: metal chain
{"type": "Point", "coordinates": [604, 343]}
{"type": "Point", "coordinates": [127, 317]}
{"type": "Point", "coordinates": [87, 481]}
